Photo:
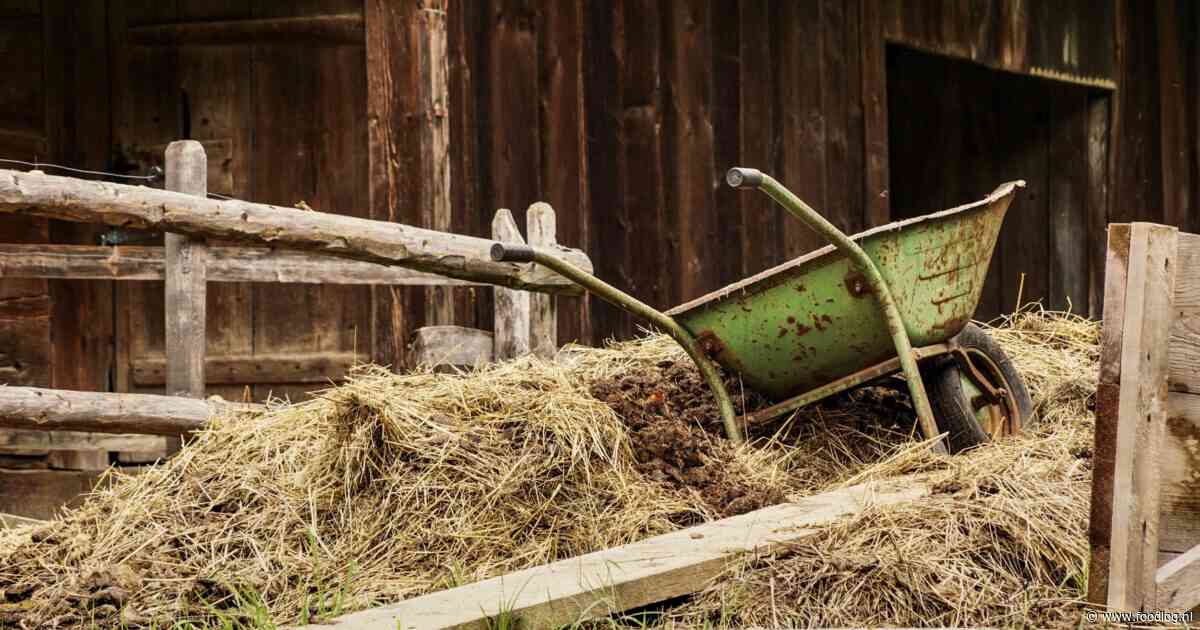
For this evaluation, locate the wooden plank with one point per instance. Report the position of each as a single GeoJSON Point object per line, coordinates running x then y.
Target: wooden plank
{"type": "Point", "coordinates": [1107, 412]}
{"type": "Point", "coordinates": [1097, 199]}
{"type": "Point", "coordinates": [1178, 171]}
{"type": "Point", "coordinates": [185, 287]}
{"type": "Point", "coordinates": [725, 118]}
{"type": "Point", "coordinates": [601, 583]}
{"type": "Point", "coordinates": [1067, 190]}
{"type": "Point", "coordinates": [432, 96]}
{"type": "Point", "coordinates": [838, 91]}
{"type": "Point", "coordinates": [688, 142]}
{"type": "Point", "coordinates": [463, 42]}
{"type": "Point", "coordinates": [12, 521]}
{"type": "Point", "coordinates": [1184, 346]}
{"type": "Point", "coordinates": [543, 312]}
{"type": "Point", "coordinates": [802, 122]}
{"type": "Point", "coordinates": [225, 264]}
{"type": "Point", "coordinates": [24, 338]}
{"type": "Point", "coordinates": [1178, 582]}
{"type": "Point", "coordinates": [62, 410]}
{"type": "Point", "coordinates": [42, 494]}
{"type": "Point", "coordinates": [650, 243]}
{"type": "Point", "coordinates": [330, 30]}
{"type": "Point", "coordinates": [314, 367]}
{"type": "Point", "coordinates": [78, 460]}
{"type": "Point", "coordinates": [185, 282]}
{"type": "Point", "coordinates": [606, 149]}
{"type": "Point", "coordinates": [451, 348]}
{"type": "Point", "coordinates": [49, 441]}
{"type": "Point", "coordinates": [512, 321]}
{"type": "Point", "coordinates": [1025, 238]}
{"type": "Point", "coordinates": [761, 219]}
{"type": "Point", "coordinates": [564, 143]}
{"type": "Point", "coordinates": [1179, 471]}
{"type": "Point", "coordinates": [1149, 293]}
{"type": "Point", "coordinates": [454, 255]}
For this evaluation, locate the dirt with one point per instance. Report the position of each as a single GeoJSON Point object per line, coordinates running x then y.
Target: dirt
{"type": "Point", "coordinates": [678, 438]}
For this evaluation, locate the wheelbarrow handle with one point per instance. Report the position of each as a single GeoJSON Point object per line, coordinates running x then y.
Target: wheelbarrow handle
{"type": "Point", "coordinates": [512, 252]}
{"type": "Point", "coordinates": [739, 177]}
{"type": "Point", "coordinates": [519, 253]}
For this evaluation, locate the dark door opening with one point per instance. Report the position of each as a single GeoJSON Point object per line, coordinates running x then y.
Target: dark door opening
{"type": "Point", "coordinates": [956, 130]}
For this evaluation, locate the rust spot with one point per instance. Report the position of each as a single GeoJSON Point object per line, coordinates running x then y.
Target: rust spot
{"type": "Point", "coordinates": [802, 330]}
{"type": "Point", "coordinates": [817, 322]}
{"type": "Point", "coordinates": [800, 288]}
{"type": "Point", "coordinates": [954, 323]}
{"type": "Point", "coordinates": [856, 284]}
{"type": "Point", "coordinates": [710, 343]}
{"type": "Point", "coordinates": [791, 320]}
{"type": "Point", "coordinates": [827, 319]}
{"type": "Point", "coordinates": [782, 331]}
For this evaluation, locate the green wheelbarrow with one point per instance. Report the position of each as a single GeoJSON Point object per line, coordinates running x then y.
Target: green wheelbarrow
{"type": "Point", "coordinates": [898, 298]}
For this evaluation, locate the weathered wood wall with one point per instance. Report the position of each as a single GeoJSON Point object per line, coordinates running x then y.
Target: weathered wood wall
{"type": "Point", "coordinates": [622, 114]}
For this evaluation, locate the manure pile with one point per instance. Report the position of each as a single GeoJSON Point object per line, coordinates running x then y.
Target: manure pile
{"type": "Point", "coordinates": [395, 485]}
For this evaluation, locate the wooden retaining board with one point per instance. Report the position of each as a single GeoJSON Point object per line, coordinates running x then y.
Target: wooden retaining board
{"type": "Point", "coordinates": [612, 580]}
{"type": "Point", "coordinates": [1145, 522]}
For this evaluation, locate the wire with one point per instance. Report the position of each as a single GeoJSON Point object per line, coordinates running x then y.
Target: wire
{"type": "Point", "coordinates": [220, 196]}
{"type": "Point", "coordinates": [40, 165]}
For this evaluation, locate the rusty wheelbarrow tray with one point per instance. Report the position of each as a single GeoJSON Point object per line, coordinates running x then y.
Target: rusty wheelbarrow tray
{"type": "Point", "coordinates": [866, 306]}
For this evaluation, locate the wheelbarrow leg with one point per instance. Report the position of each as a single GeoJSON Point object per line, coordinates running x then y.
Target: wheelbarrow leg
{"type": "Point", "coordinates": [506, 252]}
{"type": "Point", "coordinates": [751, 178]}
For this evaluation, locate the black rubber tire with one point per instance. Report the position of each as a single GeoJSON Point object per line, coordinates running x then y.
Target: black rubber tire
{"type": "Point", "coordinates": [952, 410]}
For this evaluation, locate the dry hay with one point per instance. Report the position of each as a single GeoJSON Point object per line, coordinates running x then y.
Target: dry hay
{"type": "Point", "coordinates": [1002, 543]}
{"type": "Point", "coordinates": [393, 485]}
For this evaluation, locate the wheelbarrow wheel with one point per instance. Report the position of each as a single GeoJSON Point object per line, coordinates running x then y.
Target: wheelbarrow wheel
{"type": "Point", "coordinates": [969, 411]}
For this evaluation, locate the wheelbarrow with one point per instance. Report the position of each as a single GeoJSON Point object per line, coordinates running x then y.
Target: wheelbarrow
{"type": "Point", "coordinates": [898, 298]}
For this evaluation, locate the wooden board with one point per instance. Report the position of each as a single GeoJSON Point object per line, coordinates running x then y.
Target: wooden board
{"type": "Point", "coordinates": [313, 367]}
{"type": "Point", "coordinates": [1179, 472]}
{"type": "Point", "coordinates": [41, 494]}
{"type": "Point", "coordinates": [1184, 348]}
{"type": "Point", "coordinates": [610, 581]}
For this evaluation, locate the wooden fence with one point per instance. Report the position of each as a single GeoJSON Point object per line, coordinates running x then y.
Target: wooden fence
{"type": "Point", "coordinates": [342, 250]}
{"type": "Point", "coordinates": [1145, 522]}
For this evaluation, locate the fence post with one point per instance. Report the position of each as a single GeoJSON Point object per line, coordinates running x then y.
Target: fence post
{"type": "Point", "coordinates": [512, 307]}
{"type": "Point", "coordinates": [540, 224]}
{"type": "Point", "coordinates": [186, 278]}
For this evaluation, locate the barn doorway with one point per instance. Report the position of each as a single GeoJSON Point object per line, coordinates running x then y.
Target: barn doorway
{"type": "Point", "coordinates": [956, 130]}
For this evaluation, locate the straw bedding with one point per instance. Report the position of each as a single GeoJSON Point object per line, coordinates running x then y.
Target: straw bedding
{"type": "Point", "coordinates": [394, 485]}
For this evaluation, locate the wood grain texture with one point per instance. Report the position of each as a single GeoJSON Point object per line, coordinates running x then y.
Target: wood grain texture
{"type": "Point", "coordinates": [63, 410]}
{"type": "Point", "coordinates": [42, 494]}
{"type": "Point", "coordinates": [541, 226]}
{"type": "Point", "coordinates": [1142, 416]}
{"type": "Point", "coordinates": [1178, 582]}
{"type": "Point", "coordinates": [224, 264]}
{"type": "Point", "coordinates": [337, 29]}
{"type": "Point", "coordinates": [1184, 345]}
{"type": "Point", "coordinates": [512, 317]}
{"type": "Point", "coordinates": [1097, 199]}
{"type": "Point", "coordinates": [49, 441]}
{"type": "Point", "coordinates": [186, 281]}
{"type": "Point", "coordinates": [1179, 472]}
{"type": "Point", "coordinates": [454, 255]}
{"type": "Point", "coordinates": [598, 584]}
{"type": "Point", "coordinates": [451, 348]}
{"type": "Point", "coordinates": [1068, 203]}
{"type": "Point", "coordinates": [564, 143]}
{"type": "Point", "coordinates": [313, 367]}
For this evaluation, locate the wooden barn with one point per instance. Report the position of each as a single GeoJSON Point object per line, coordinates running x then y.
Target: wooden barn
{"type": "Point", "coordinates": [623, 115]}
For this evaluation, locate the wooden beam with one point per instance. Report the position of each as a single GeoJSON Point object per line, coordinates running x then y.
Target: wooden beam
{"type": "Point", "coordinates": [317, 367]}
{"type": "Point", "coordinates": [49, 441]}
{"type": "Point", "coordinates": [453, 255]}
{"type": "Point", "coordinates": [1141, 412]}
{"type": "Point", "coordinates": [337, 29]}
{"type": "Point", "coordinates": [512, 307]}
{"type": "Point", "coordinates": [1178, 582]}
{"type": "Point", "coordinates": [64, 410]}
{"type": "Point", "coordinates": [543, 309]}
{"type": "Point", "coordinates": [604, 582]}
{"type": "Point", "coordinates": [185, 296]}
{"type": "Point", "coordinates": [225, 264]}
